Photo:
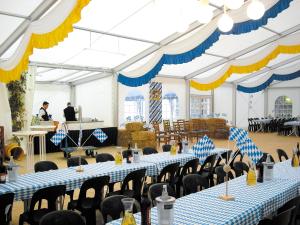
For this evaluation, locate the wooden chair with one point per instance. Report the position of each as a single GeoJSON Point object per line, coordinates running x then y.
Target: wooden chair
{"type": "Point", "coordinates": [169, 131]}
{"type": "Point", "coordinates": [160, 135]}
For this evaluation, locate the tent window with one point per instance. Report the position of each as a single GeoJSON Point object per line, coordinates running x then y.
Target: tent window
{"type": "Point", "coordinates": [134, 107]}
{"type": "Point", "coordinates": [283, 107]}
{"type": "Point", "coordinates": [201, 106]}
{"type": "Point", "coordinates": [170, 107]}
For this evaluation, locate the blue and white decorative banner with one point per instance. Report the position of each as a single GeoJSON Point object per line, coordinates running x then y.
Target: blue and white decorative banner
{"type": "Point", "coordinates": [282, 74]}
{"type": "Point", "coordinates": [100, 135]}
{"type": "Point", "coordinates": [249, 148]}
{"type": "Point", "coordinates": [237, 134]}
{"type": "Point", "coordinates": [155, 103]}
{"type": "Point", "coordinates": [58, 137]}
{"type": "Point", "coordinates": [202, 148]}
{"type": "Point", "coordinates": [196, 44]}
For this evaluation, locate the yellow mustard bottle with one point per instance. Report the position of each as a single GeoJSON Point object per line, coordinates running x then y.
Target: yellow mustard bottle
{"type": "Point", "coordinates": [118, 158]}
{"type": "Point", "coordinates": [173, 149]}
{"type": "Point", "coordinates": [251, 177]}
{"type": "Point", "coordinates": [295, 161]}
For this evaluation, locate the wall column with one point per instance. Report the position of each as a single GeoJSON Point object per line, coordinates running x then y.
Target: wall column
{"type": "Point", "coordinates": [115, 100]}
{"type": "Point", "coordinates": [266, 102]}
{"type": "Point", "coordinates": [187, 97]}
{"type": "Point", "coordinates": [234, 89]}
{"type": "Point", "coordinates": [73, 95]}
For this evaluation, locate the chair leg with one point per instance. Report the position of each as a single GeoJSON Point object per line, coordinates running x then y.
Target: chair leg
{"type": "Point", "coordinates": [90, 217]}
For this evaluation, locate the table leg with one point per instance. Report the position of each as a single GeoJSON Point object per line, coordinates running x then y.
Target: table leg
{"type": "Point", "coordinates": [42, 147]}
{"type": "Point", "coordinates": [30, 153]}
{"type": "Point", "coordinates": [26, 204]}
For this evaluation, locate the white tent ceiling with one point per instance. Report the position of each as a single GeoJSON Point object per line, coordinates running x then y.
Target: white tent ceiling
{"type": "Point", "coordinates": [112, 32]}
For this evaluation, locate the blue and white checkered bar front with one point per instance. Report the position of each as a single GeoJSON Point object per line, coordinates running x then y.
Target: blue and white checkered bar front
{"type": "Point", "coordinates": [165, 158]}
{"type": "Point", "coordinates": [100, 135]}
{"type": "Point", "coordinates": [270, 195]}
{"type": "Point", "coordinates": [198, 208]}
{"type": "Point", "coordinates": [58, 137]}
{"type": "Point", "coordinates": [27, 184]}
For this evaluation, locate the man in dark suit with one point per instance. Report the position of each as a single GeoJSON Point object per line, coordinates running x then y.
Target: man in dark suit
{"type": "Point", "coordinates": [69, 113]}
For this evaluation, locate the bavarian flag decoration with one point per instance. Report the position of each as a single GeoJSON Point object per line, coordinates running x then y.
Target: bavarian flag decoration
{"type": "Point", "coordinates": [237, 134]}
{"type": "Point", "coordinates": [58, 137]}
{"type": "Point", "coordinates": [100, 135]}
{"type": "Point", "coordinates": [202, 148]}
{"type": "Point", "coordinates": [248, 147]}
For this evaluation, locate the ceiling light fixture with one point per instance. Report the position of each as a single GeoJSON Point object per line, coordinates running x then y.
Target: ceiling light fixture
{"type": "Point", "coordinates": [225, 22]}
{"type": "Point", "coordinates": [205, 13]}
{"type": "Point", "coordinates": [255, 10]}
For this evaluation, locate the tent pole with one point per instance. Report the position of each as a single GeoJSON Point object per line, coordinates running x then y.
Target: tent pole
{"type": "Point", "coordinates": [187, 97]}
{"type": "Point", "coordinates": [234, 86]}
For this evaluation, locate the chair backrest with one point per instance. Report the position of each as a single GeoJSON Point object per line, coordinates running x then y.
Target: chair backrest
{"type": "Point", "coordinates": [168, 174]}
{"type": "Point", "coordinates": [104, 157]}
{"type": "Point", "coordinates": [209, 163]}
{"type": "Point", "coordinates": [156, 127]}
{"type": "Point", "coordinates": [294, 202]}
{"type": "Point", "coordinates": [284, 218]}
{"type": "Point", "coordinates": [137, 178]}
{"type": "Point", "coordinates": [264, 158]}
{"type": "Point", "coordinates": [45, 166]}
{"type": "Point", "coordinates": [62, 217]}
{"type": "Point", "coordinates": [155, 190]}
{"type": "Point", "coordinates": [149, 151]}
{"type": "Point", "coordinates": [97, 184]}
{"type": "Point", "coordinates": [224, 156]}
{"type": "Point", "coordinates": [193, 183]}
{"type": "Point", "coordinates": [190, 167]}
{"type": "Point", "coordinates": [221, 174]}
{"type": "Point", "coordinates": [6, 204]}
{"type": "Point", "coordinates": [166, 148]}
{"type": "Point", "coordinates": [281, 153]}
{"type": "Point", "coordinates": [74, 161]}
{"type": "Point", "coordinates": [50, 194]}
{"type": "Point", "coordinates": [113, 207]}
{"type": "Point", "coordinates": [240, 168]}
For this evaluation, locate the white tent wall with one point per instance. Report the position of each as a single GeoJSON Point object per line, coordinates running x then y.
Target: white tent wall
{"type": "Point", "coordinates": [56, 95]}
{"type": "Point", "coordinates": [5, 113]}
{"type": "Point", "coordinates": [247, 106]}
{"type": "Point", "coordinates": [96, 99]}
{"type": "Point", "coordinates": [223, 101]}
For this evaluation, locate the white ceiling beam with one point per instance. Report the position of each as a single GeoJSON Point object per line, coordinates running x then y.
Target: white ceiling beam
{"type": "Point", "coordinates": [244, 52]}
{"type": "Point", "coordinates": [91, 78]}
{"type": "Point", "coordinates": [162, 43]}
{"type": "Point", "coordinates": [36, 14]}
{"type": "Point", "coordinates": [51, 82]}
{"type": "Point", "coordinates": [70, 67]}
{"type": "Point", "coordinates": [115, 35]}
{"type": "Point", "coordinates": [70, 78]}
{"type": "Point", "coordinates": [67, 75]}
{"type": "Point", "coordinates": [265, 70]}
{"type": "Point", "coordinates": [14, 15]}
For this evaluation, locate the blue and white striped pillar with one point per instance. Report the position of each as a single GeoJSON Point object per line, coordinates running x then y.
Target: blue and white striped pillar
{"type": "Point", "coordinates": [155, 103]}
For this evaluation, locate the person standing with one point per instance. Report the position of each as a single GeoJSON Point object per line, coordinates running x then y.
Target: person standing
{"type": "Point", "coordinates": [43, 114]}
{"type": "Point", "coordinates": [69, 112]}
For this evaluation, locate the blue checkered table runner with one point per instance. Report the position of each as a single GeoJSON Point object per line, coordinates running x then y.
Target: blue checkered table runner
{"type": "Point", "coordinates": [214, 151]}
{"type": "Point", "coordinates": [201, 209]}
{"type": "Point", "coordinates": [165, 158]}
{"type": "Point", "coordinates": [27, 184]}
{"type": "Point", "coordinates": [270, 195]}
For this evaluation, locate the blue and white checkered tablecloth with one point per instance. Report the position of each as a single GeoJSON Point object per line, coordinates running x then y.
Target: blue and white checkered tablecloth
{"type": "Point", "coordinates": [201, 209]}
{"type": "Point", "coordinates": [270, 195]}
{"type": "Point", "coordinates": [165, 158]}
{"type": "Point", "coordinates": [284, 170]}
{"type": "Point", "coordinates": [27, 184]}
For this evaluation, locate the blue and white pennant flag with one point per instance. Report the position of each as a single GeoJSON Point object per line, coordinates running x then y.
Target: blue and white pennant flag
{"type": "Point", "coordinates": [237, 134]}
{"type": "Point", "coordinates": [202, 148]}
{"type": "Point", "coordinates": [248, 147]}
{"type": "Point", "coordinates": [58, 137]}
{"type": "Point", "coordinates": [100, 135]}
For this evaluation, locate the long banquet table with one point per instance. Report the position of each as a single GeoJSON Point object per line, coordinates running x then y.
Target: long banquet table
{"type": "Point", "coordinates": [251, 204]}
